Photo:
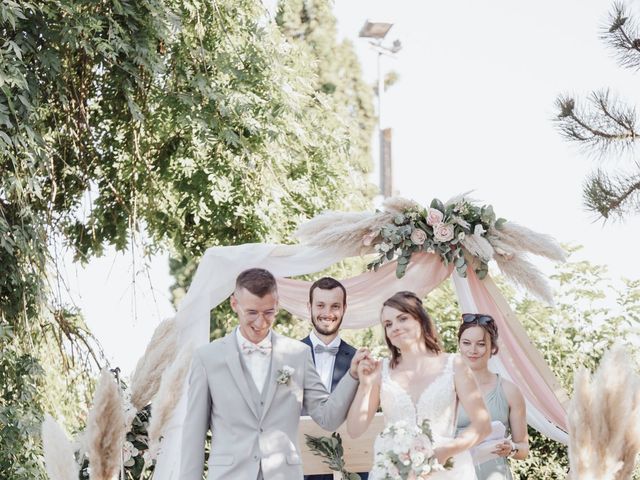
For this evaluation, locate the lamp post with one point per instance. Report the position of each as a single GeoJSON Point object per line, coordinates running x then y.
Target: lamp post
{"type": "Point", "coordinates": [377, 31]}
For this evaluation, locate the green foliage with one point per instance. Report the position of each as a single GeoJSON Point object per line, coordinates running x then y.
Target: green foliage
{"type": "Point", "coordinates": [330, 448]}
{"type": "Point", "coordinates": [21, 382]}
{"type": "Point", "coordinates": [311, 26]}
{"type": "Point", "coordinates": [196, 122]}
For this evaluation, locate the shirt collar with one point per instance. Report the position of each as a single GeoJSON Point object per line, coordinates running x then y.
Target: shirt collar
{"type": "Point", "coordinates": [315, 340]}
{"type": "Point", "coordinates": [240, 338]}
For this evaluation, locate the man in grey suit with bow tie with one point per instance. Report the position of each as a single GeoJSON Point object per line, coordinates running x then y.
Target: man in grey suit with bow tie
{"type": "Point", "coordinates": [249, 389]}
{"type": "Point", "coordinates": [332, 355]}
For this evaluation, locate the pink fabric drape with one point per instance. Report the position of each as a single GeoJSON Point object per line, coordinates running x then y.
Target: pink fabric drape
{"type": "Point", "coordinates": [367, 292]}
{"type": "Point", "coordinates": [523, 362]}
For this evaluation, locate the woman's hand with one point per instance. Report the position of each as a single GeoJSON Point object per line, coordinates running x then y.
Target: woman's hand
{"type": "Point", "coordinates": [503, 449]}
{"type": "Point", "coordinates": [368, 369]}
{"type": "Point", "coordinates": [442, 453]}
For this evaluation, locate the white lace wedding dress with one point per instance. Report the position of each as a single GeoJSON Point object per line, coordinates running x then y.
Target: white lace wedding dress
{"type": "Point", "coordinates": [437, 403]}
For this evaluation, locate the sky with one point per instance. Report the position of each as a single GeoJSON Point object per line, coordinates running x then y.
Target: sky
{"type": "Point", "coordinates": [473, 110]}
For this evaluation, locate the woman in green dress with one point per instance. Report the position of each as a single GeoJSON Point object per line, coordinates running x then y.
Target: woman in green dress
{"type": "Point", "coordinates": [477, 341]}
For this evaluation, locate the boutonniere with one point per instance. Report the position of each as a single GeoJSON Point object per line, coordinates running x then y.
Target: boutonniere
{"type": "Point", "coordinates": [284, 375]}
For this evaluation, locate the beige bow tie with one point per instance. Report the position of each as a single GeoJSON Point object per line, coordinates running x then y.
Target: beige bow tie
{"type": "Point", "coordinates": [249, 348]}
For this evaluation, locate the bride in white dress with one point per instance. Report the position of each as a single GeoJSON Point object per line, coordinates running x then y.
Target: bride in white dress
{"type": "Point", "coordinates": [420, 382]}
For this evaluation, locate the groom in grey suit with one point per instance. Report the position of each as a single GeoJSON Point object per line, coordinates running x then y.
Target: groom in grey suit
{"type": "Point", "coordinates": [249, 389]}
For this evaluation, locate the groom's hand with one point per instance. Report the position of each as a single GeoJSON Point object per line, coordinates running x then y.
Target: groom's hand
{"type": "Point", "coordinates": [360, 355]}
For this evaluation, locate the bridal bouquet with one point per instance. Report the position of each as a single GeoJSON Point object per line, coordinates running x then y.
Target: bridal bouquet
{"type": "Point", "coordinates": [405, 451]}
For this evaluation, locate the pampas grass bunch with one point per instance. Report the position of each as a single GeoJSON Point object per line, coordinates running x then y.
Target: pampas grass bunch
{"type": "Point", "coordinates": [159, 354]}
{"type": "Point", "coordinates": [167, 398]}
{"type": "Point", "coordinates": [106, 429]}
{"type": "Point", "coordinates": [604, 414]}
{"type": "Point", "coordinates": [58, 452]}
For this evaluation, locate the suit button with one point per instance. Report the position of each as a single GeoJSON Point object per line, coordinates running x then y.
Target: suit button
{"type": "Point", "coordinates": [261, 430]}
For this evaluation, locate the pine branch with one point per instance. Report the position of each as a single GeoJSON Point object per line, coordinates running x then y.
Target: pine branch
{"type": "Point", "coordinates": [614, 196]}
{"type": "Point", "coordinates": [606, 125]}
{"type": "Point", "coordinates": [622, 34]}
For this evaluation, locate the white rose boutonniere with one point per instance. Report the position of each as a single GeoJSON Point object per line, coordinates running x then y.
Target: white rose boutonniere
{"type": "Point", "coordinates": [284, 375]}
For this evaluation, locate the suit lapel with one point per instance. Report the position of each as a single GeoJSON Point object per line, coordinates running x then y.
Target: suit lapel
{"type": "Point", "coordinates": [277, 362]}
{"type": "Point", "coordinates": [232, 358]}
{"type": "Point", "coordinates": [341, 364]}
{"type": "Point", "coordinates": [307, 340]}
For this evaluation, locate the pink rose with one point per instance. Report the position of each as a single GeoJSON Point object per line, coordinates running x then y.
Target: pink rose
{"type": "Point", "coordinates": [434, 217]}
{"type": "Point", "coordinates": [443, 232]}
{"type": "Point", "coordinates": [418, 236]}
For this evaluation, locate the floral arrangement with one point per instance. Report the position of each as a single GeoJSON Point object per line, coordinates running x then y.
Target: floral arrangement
{"type": "Point", "coordinates": [438, 229]}
{"type": "Point", "coordinates": [405, 451]}
{"type": "Point", "coordinates": [284, 375]}
{"type": "Point", "coordinates": [331, 449]}
{"type": "Point", "coordinates": [459, 231]}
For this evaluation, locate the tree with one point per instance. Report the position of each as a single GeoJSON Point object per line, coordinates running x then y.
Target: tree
{"type": "Point", "coordinates": [608, 127]}
{"type": "Point", "coordinates": [193, 122]}
{"type": "Point", "coordinates": [311, 26]}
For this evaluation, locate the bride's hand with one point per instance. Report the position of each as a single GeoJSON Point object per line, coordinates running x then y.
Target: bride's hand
{"type": "Point", "coordinates": [442, 454]}
{"type": "Point", "coordinates": [368, 368]}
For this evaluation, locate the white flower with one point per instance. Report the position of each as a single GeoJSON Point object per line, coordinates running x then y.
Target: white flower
{"type": "Point", "coordinates": [284, 375]}
{"type": "Point", "coordinates": [129, 451]}
{"type": "Point", "coordinates": [461, 236]}
{"type": "Point", "coordinates": [384, 247]}
{"type": "Point", "coordinates": [434, 217]}
{"type": "Point", "coordinates": [418, 236]}
{"type": "Point", "coordinates": [443, 232]}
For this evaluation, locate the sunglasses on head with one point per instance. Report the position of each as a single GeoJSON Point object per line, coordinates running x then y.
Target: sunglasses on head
{"type": "Point", "coordinates": [480, 318]}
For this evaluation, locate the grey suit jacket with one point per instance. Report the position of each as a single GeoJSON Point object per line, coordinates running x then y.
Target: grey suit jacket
{"type": "Point", "coordinates": [251, 431]}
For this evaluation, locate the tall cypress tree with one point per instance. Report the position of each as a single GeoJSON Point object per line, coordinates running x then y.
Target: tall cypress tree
{"type": "Point", "coordinates": [311, 25]}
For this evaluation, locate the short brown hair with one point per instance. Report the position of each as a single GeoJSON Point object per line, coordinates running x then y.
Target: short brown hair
{"type": "Point", "coordinates": [258, 281]}
{"type": "Point", "coordinates": [328, 283]}
{"type": "Point", "coordinates": [490, 328]}
{"type": "Point", "coordinates": [408, 302]}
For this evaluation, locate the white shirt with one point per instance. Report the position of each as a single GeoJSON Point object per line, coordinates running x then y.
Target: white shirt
{"type": "Point", "coordinates": [257, 363]}
{"type": "Point", "coordinates": [324, 360]}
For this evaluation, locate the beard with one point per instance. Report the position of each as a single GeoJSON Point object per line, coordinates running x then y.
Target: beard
{"type": "Point", "coordinates": [330, 330]}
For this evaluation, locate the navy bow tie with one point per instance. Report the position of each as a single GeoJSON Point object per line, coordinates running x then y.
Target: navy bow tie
{"type": "Point", "coordinates": [323, 349]}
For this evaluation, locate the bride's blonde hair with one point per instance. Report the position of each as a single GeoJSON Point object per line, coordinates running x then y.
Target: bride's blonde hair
{"type": "Point", "coordinates": [408, 302]}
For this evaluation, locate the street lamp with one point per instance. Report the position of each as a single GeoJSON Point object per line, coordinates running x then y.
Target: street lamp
{"type": "Point", "coordinates": [377, 31]}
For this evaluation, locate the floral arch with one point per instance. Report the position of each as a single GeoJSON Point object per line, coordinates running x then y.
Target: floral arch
{"type": "Point", "coordinates": [417, 248]}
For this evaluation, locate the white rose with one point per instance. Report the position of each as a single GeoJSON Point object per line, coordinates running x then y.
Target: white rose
{"type": "Point", "coordinates": [443, 232]}
{"type": "Point", "coordinates": [383, 247]}
{"type": "Point", "coordinates": [418, 236]}
{"type": "Point", "coordinates": [461, 236]}
{"type": "Point", "coordinates": [434, 217]}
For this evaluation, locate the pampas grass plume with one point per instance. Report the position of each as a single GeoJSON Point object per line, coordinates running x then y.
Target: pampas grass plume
{"type": "Point", "coordinates": [58, 452]}
{"type": "Point", "coordinates": [604, 437]}
{"type": "Point", "coordinates": [167, 398]}
{"type": "Point", "coordinates": [524, 273]}
{"type": "Point", "coordinates": [160, 352]}
{"type": "Point", "coordinates": [105, 429]}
